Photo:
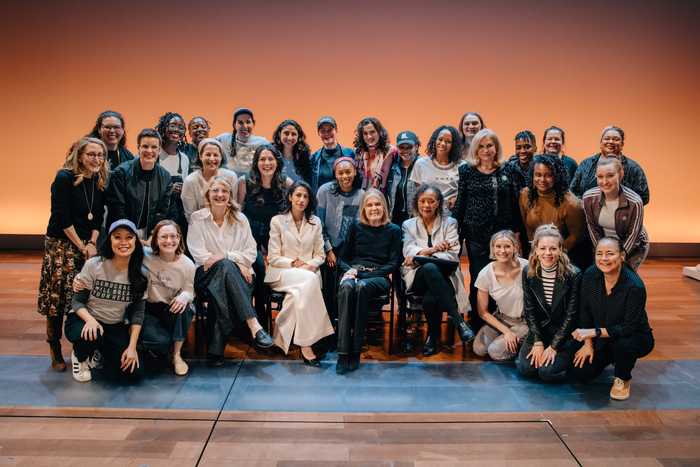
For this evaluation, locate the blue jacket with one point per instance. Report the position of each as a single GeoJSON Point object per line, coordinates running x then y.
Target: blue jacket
{"type": "Point", "coordinates": [316, 164]}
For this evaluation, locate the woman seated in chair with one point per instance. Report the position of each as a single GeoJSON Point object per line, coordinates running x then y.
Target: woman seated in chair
{"type": "Point", "coordinates": [431, 234]}
{"type": "Point", "coordinates": [294, 255]}
{"type": "Point", "coordinates": [501, 280]}
{"type": "Point", "coordinates": [223, 250]}
{"type": "Point", "coordinates": [551, 287]}
{"type": "Point", "coordinates": [370, 254]}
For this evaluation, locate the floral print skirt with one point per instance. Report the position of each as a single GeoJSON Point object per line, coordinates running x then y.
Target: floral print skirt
{"type": "Point", "coordinates": [62, 261]}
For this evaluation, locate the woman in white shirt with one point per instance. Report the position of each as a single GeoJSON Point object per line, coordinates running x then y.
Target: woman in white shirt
{"type": "Point", "coordinates": [431, 234]}
{"type": "Point", "coordinates": [223, 249]}
{"type": "Point", "coordinates": [502, 279]}
{"type": "Point", "coordinates": [295, 254]}
{"type": "Point", "coordinates": [440, 168]}
{"type": "Point", "coordinates": [171, 128]}
{"type": "Point", "coordinates": [210, 161]}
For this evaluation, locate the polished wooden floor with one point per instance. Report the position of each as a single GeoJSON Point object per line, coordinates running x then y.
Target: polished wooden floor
{"type": "Point", "coordinates": [58, 436]}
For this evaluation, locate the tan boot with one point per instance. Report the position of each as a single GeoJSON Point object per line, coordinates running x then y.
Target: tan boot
{"type": "Point", "coordinates": [54, 332]}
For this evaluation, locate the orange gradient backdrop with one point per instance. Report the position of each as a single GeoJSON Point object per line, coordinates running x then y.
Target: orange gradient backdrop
{"type": "Point", "coordinates": [413, 64]}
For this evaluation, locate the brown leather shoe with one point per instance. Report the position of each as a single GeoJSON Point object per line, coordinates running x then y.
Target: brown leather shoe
{"type": "Point", "coordinates": [57, 362]}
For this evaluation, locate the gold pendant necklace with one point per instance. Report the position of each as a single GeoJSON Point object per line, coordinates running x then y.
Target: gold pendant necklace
{"type": "Point", "coordinates": [89, 216]}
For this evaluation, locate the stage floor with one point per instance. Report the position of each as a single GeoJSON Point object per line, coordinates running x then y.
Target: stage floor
{"type": "Point", "coordinates": [398, 409]}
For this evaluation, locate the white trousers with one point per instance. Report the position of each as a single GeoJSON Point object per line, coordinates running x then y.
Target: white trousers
{"type": "Point", "coordinates": [303, 314]}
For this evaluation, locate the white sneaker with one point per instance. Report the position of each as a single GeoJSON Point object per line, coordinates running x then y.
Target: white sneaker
{"type": "Point", "coordinates": [81, 372]}
{"type": "Point", "coordinates": [95, 362]}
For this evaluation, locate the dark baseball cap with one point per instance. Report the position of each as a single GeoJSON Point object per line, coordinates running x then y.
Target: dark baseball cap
{"type": "Point", "coordinates": [407, 137]}
{"type": "Point", "coordinates": [326, 120]}
{"type": "Point", "coordinates": [243, 110]}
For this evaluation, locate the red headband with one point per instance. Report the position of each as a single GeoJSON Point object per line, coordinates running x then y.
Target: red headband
{"type": "Point", "coordinates": [343, 159]}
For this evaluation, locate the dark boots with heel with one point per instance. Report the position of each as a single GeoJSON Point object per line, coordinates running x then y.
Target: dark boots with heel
{"type": "Point", "coordinates": [54, 332]}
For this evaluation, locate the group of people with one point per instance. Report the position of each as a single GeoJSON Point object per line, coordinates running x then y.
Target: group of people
{"type": "Point", "coordinates": [339, 227]}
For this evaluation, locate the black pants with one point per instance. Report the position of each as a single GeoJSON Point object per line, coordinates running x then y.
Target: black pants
{"type": "Point", "coordinates": [479, 257]}
{"type": "Point", "coordinates": [329, 275]}
{"type": "Point", "coordinates": [161, 327]}
{"type": "Point", "coordinates": [112, 344]}
{"type": "Point", "coordinates": [553, 371]}
{"type": "Point", "coordinates": [438, 297]}
{"type": "Point", "coordinates": [261, 290]}
{"type": "Point", "coordinates": [624, 352]}
{"type": "Point", "coordinates": [229, 301]}
{"type": "Point", "coordinates": [353, 301]}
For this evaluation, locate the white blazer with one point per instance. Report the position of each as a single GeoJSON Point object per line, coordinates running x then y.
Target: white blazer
{"type": "Point", "coordinates": [287, 244]}
{"type": "Point", "coordinates": [415, 239]}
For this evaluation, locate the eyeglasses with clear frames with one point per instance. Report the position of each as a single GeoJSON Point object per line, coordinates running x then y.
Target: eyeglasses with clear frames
{"type": "Point", "coordinates": [116, 128]}
{"type": "Point", "coordinates": [216, 191]}
{"type": "Point", "coordinates": [174, 127]}
{"type": "Point", "coordinates": [166, 237]}
{"type": "Point", "coordinates": [92, 155]}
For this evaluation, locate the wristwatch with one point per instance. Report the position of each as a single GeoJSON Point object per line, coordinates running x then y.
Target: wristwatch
{"type": "Point", "coordinates": [598, 332]}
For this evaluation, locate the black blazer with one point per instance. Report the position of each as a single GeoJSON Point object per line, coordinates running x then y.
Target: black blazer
{"type": "Point", "coordinates": [553, 324]}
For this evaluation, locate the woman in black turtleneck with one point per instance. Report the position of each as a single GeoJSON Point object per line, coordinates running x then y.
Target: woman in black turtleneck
{"type": "Point", "coordinates": [370, 253]}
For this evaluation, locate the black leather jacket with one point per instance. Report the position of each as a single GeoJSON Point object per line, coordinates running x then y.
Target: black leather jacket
{"type": "Point", "coordinates": [126, 189]}
{"type": "Point", "coordinates": [552, 325]}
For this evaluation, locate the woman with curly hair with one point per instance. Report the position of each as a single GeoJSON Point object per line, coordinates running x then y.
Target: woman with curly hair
{"type": "Point", "coordinates": [261, 196]}
{"type": "Point", "coordinates": [173, 157]}
{"type": "Point", "coordinates": [440, 168]}
{"type": "Point", "coordinates": [110, 129]}
{"type": "Point", "coordinates": [295, 255]}
{"type": "Point", "coordinates": [470, 124]}
{"type": "Point", "coordinates": [374, 154]}
{"type": "Point", "coordinates": [223, 250]}
{"type": "Point", "coordinates": [290, 141]}
{"type": "Point", "coordinates": [76, 216]}
{"type": "Point", "coordinates": [547, 199]}
{"type": "Point", "coordinates": [487, 202]}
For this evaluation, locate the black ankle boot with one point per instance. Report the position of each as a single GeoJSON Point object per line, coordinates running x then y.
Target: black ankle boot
{"type": "Point", "coordinates": [354, 361]}
{"type": "Point", "coordinates": [465, 332]}
{"type": "Point", "coordinates": [342, 366]}
{"type": "Point", "coordinates": [430, 346]}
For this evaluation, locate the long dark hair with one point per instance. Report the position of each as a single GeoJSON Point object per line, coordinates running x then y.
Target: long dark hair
{"type": "Point", "coordinates": [559, 173]}
{"type": "Point", "coordinates": [137, 278]}
{"type": "Point", "coordinates": [455, 151]}
{"type": "Point", "coordinates": [313, 202]}
{"type": "Point", "coordinates": [356, 182]}
{"type": "Point", "coordinates": [95, 133]}
{"type": "Point", "coordinates": [163, 125]}
{"type": "Point", "coordinates": [359, 142]}
{"type": "Point", "coordinates": [301, 153]}
{"type": "Point", "coordinates": [255, 177]}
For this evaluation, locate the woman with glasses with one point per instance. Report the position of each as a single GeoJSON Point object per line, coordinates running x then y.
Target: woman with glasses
{"type": "Point", "coordinates": [110, 129]}
{"type": "Point", "coordinates": [76, 216]}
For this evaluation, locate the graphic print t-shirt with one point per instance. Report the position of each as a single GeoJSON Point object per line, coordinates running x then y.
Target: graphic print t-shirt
{"type": "Point", "coordinates": [110, 291]}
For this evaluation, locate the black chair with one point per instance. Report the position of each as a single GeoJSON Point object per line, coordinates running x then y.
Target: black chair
{"type": "Point", "coordinates": [376, 308]}
{"type": "Point", "coordinates": [200, 321]}
{"type": "Point", "coordinates": [415, 303]}
{"type": "Point", "coordinates": [274, 298]}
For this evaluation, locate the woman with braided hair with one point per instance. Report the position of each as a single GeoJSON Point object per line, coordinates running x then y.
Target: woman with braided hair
{"type": "Point", "coordinates": [173, 157]}
{"type": "Point", "coordinates": [240, 144]}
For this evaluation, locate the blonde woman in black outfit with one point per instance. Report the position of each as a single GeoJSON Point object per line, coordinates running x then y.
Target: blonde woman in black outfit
{"type": "Point", "coordinates": [551, 287]}
{"type": "Point", "coordinates": [76, 216]}
{"type": "Point", "coordinates": [614, 323]}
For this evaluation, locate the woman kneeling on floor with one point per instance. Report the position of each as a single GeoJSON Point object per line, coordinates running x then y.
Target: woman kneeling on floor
{"type": "Point", "coordinates": [504, 330]}
{"type": "Point", "coordinates": [369, 256]}
{"type": "Point", "coordinates": [432, 234]}
{"type": "Point", "coordinates": [223, 249]}
{"type": "Point", "coordinates": [107, 315]}
{"type": "Point", "coordinates": [551, 287]}
{"type": "Point", "coordinates": [294, 255]}
{"type": "Point", "coordinates": [614, 323]}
